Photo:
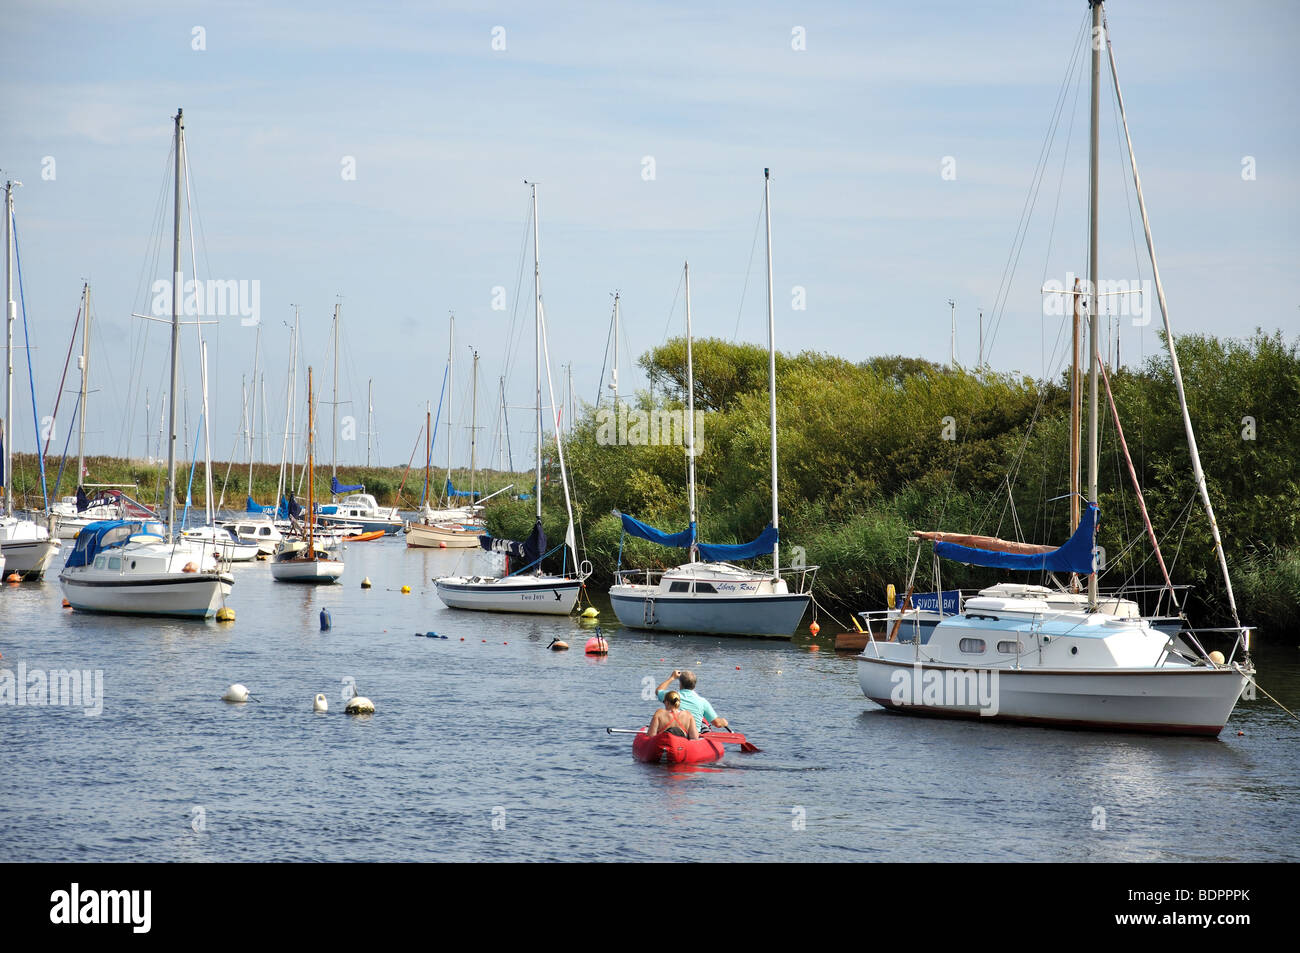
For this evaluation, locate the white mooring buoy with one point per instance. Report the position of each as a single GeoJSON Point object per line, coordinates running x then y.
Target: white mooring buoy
{"type": "Point", "coordinates": [236, 694]}
{"type": "Point", "coordinates": [319, 703]}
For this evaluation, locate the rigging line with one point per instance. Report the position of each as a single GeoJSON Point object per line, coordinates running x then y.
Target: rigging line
{"type": "Point", "coordinates": [1022, 223]}
{"type": "Point", "coordinates": [31, 376]}
{"type": "Point", "coordinates": [1060, 184]}
{"type": "Point", "coordinates": [139, 338]}
{"type": "Point", "coordinates": [515, 329]}
{"type": "Point", "coordinates": [740, 310]}
{"type": "Point", "coordinates": [58, 397]}
{"type": "Point", "coordinates": [604, 362]}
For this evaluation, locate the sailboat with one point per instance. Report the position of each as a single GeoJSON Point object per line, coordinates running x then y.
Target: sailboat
{"type": "Point", "coordinates": [302, 559]}
{"type": "Point", "coordinates": [140, 566]}
{"type": "Point", "coordinates": [709, 594]}
{"type": "Point", "coordinates": [26, 547]}
{"type": "Point", "coordinates": [529, 589]}
{"type": "Point", "coordinates": [1013, 655]}
{"type": "Point", "coordinates": [356, 512]}
{"type": "Point", "coordinates": [451, 527]}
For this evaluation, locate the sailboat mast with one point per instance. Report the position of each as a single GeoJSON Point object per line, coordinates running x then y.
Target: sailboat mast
{"type": "Point", "coordinates": [473, 428]}
{"type": "Point", "coordinates": [252, 410]}
{"type": "Point", "coordinates": [615, 380]}
{"type": "Point", "coordinates": [771, 370]}
{"type": "Point", "coordinates": [451, 396]}
{"type": "Point", "coordinates": [1093, 167]}
{"type": "Point", "coordinates": [428, 449]}
{"type": "Point", "coordinates": [334, 451]}
{"type": "Point", "coordinates": [207, 435]}
{"type": "Point", "coordinates": [537, 315]}
{"type": "Point", "coordinates": [85, 382]}
{"type": "Point", "coordinates": [176, 328]}
{"type": "Point", "coordinates": [10, 315]}
{"type": "Point", "coordinates": [690, 415]}
{"type": "Point", "coordinates": [370, 416]}
{"type": "Point", "coordinates": [1194, 452]}
{"type": "Point", "coordinates": [311, 473]}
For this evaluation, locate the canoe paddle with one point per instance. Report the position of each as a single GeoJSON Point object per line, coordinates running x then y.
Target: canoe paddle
{"type": "Point", "coordinates": [725, 737]}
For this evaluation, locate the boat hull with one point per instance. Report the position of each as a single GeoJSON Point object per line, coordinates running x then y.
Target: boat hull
{"type": "Point", "coordinates": [28, 557]}
{"type": "Point", "coordinates": [545, 596]}
{"type": "Point", "coordinates": [190, 595]}
{"type": "Point", "coordinates": [388, 526]}
{"type": "Point", "coordinates": [426, 536]}
{"type": "Point", "coordinates": [1184, 701]}
{"type": "Point", "coordinates": [668, 748]}
{"type": "Point", "coordinates": [764, 615]}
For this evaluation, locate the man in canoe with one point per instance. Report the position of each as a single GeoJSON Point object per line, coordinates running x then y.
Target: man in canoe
{"type": "Point", "coordinates": [692, 701]}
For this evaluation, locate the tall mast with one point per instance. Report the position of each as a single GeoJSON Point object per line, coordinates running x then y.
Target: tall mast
{"type": "Point", "coordinates": [451, 395]}
{"type": "Point", "coordinates": [334, 451]}
{"type": "Point", "coordinates": [1076, 406]}
{"type": "Point", "coordinates": [428, 451]}
{"type": "Point", "coordinates": [252, 411]}
{"type": "Point", "coordinates": [1092, 274]}
{"type": "Point", "coordinates": [537, 314]}
{"type": "Point", "coordinates": [176, 329]}
{"type": "Point", "coordinates": [370, 416]}
{"type": "Point", "coordinates": [771, 370]}
{"type": "Point", "coordinates": [473, 428]}
{"type": "Point", "coordinates": [311, 474]}
{"type": "Point", "coordinates": [207, 435]}
{"type": "Point", "coordinates": [11, 314]}
{"type": "Point", "coordinates": [1194, 452]}
{"type": "Point", "coordinates": [85, 383]}
{"type": "Point", "coordinates": [690, 414]}
{"type": "Point", "coordinates": [952, 336]}
{"type": "Point", "coordinates": [614, 382]}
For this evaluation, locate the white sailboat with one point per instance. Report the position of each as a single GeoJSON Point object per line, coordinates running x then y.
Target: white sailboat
{"type": "Point", "coordinates": [305, 559]}
{"type": "Point", "coordinates": [529, 590]}
{"type": "Point", "coordinates": [711, 595]}
{"type": "Point", "coordinates": [26, 546]}
{"type": "Point", "coordinates": [1016, 656]}
{"type": "Point", "coordinates": [141, 567]}
{"type": "Point", "coordinates": [449, 527]}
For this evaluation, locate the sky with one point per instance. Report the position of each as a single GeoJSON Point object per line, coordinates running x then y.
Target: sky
{"type": "Point", "coordinates": [375, 156]}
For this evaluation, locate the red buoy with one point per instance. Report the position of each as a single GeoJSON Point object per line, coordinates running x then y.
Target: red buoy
{"type": "Point", "coordinates": [596, 645]}
{"type": "Point", "coordinates": [814, 628]}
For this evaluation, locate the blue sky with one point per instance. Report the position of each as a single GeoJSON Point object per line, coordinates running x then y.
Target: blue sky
{"type": "Point", "coordinates": [444, 129]}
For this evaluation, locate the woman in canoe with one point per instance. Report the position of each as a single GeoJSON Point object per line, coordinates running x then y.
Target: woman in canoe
{"type": "Point", "coordinates": [672, 719]}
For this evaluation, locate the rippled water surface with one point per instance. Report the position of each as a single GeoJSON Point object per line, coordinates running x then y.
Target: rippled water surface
{"type": "Point", "coordinates": [487, 746]}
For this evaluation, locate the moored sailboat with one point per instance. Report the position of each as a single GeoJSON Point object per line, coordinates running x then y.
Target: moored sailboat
{"type": "Point", "coordinates": [303, 559]}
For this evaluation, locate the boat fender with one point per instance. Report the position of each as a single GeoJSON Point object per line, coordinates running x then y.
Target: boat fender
{"type": "Point", "coordinates": [190, 567]}
{"type": "Point", "coordinates": [891, 596]}
{"type": "Point", "coordinates": [1216, 657]}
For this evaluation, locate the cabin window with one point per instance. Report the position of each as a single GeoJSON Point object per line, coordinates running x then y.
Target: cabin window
{"type": "Point", "coordinates": [115, 562]}
{"type": "Point", "coordinates": [704, 587]}
{"type": "Point", "coordinates": [99, 562]}
{"type": "Point", "coordinates": [1009, 647]}
{"type": "Point", "coordinates": [971, 646]}
{"type": "Point", "coordinates": [686, 587]}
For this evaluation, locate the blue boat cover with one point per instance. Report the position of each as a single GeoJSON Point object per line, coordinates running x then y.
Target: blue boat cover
{"type": "Point", "coordinates": [288, 507]}
{"type": "Point", "coordinates": [452, 491]}
{"type": "Point", "coordinates": [530, 550]}
{"type": "Point", "coordinates": [1074, 556]}
{"type": "Point", "coordinates": [337, 487]}
{"type": "Point", "coordinates": [634, 527]}
{"type": "Point", "coordinates": [759, 547]}
{"type": "Point", "coordinates": [94, 538]}
{"type": "Point", "coordinates": [714, 553]}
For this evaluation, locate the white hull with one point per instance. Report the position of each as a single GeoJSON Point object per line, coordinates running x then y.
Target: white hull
{"type": "Point", "coordinates": [535, 595]}
{"type": "Point", "coordinates": [28, 557]}
{"type": "Point", "coordinates": [769, 615]}
{"type": "Point", "coordinates": [169, 594]}
{"type": "Point", "coordinates": [323, 571]}
{"type": "Point", "coordinates": [1165, 700]}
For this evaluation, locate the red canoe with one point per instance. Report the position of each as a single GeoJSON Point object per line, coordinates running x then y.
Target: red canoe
{"type": "Point", "coordinates": [672, 749]}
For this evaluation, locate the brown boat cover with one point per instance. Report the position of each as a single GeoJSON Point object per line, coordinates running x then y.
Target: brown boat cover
{"type": "Point", "coordinates": [985, 542]}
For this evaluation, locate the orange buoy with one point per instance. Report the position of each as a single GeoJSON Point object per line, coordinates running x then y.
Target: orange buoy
{"type": "Point", "coordinates": [442, 545]}
{"type": "Point", "coordinates": [814, 628]}
{"type": "Point", "coordinates": [558, 645]}
{"type": "Point", "coordinates": [596, 645]}
{"type": "Point", "coordinates": [67, 604]}
{"type": "Point", "coordinates": [13, 577]}
{"type": "Point", "coordinates": [190, 567]}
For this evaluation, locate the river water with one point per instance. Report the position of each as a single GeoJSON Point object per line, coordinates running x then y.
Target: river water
{"type": "Point", "coordinates": [487, 746]}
